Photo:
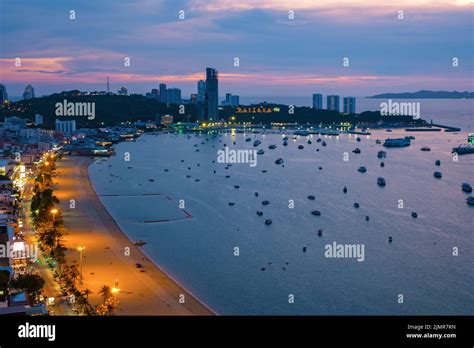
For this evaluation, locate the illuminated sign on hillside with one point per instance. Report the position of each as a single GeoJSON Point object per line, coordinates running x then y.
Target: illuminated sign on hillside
{"type": "Point", "coordinates": [255, 110]}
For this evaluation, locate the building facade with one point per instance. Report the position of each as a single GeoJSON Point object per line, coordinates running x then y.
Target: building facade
{"type": "Point", "coordinates": [201, 90]}
{"type": "Point", "coordinates": [66, 127]}
{"type": "Point", "coordinates": [173, 96]}
{"type": "Point", "coordinates": [29, 92]}
{"type": "Point", "coordinates": [349, 105]}
{"type": "Point", "coordinates": [317, 101]}
{"type": "Point", "coordinates": [162, 93]}
{"type": "Point", "coordinates": [333, 102]}
{"type": "Point", "coordinates": [212, 94]}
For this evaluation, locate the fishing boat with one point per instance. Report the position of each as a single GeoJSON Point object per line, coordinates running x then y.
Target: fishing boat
{"type": "Point", "coordinates": [400, 142]}
{"type": "Point", "coordinates": [463, 150]}
{"type": "Point", "coordinates": [381, 181]}
{"type": "Point", "coordinates": [256, 143]}
{"type": "Point", "coordinates": [466, 187]}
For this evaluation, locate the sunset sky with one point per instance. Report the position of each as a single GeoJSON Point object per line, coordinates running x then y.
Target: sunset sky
{"type": "Point", "coordinates": [278, 56]}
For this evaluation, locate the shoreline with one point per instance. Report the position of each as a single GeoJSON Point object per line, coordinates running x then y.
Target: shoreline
{"type": "Point", "coordinates": [150, 259]}
{"type": "Point", "coordinates": [152, 292]}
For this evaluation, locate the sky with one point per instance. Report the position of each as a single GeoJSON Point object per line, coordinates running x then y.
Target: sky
{"type": "Point", "coordinates": [278, 55]}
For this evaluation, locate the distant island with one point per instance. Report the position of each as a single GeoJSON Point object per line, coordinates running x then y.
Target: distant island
{"type": "Point", "coordinates": [424, 94]}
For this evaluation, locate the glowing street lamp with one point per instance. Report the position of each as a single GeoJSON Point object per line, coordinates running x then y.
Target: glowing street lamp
{"type": "Point", "coordinates": [115, 291]}
{"type": "Point", "coordinates": [54, 212]}
{"type": "Point", "coordinates": [80, 249]}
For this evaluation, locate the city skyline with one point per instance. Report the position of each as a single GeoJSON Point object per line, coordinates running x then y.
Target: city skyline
{"type": "Point", "coordinates": [163, 48]}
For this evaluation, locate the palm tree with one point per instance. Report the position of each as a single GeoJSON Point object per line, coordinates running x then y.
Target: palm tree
{"type": "Point", "coordinates": [105, 292]}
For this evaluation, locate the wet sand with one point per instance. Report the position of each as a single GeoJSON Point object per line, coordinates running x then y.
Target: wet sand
{"type": "Point", "coordinates": [151, 292]}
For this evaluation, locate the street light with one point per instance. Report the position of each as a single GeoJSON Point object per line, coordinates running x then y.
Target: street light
{"type": "Point", "coordinates": [54, 212]}
{"type": "Point", "coordinates": [80, 249]}
{"type": "Point", "coordinates": [115, 291]}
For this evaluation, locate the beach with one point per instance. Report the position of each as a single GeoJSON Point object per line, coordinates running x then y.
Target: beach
{"type": "Point", "coordinates": [106, 259]}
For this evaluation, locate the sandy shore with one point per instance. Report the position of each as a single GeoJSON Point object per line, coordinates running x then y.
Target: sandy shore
{"type": "Point", "coordinates": [141, 293]}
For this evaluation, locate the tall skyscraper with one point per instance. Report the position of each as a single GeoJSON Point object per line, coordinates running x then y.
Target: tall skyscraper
{"type": "Point", "coordinates": [3, 94]}
{"type": "Point", "coordinates": [173, 96]}
{"type": "Point", "coordinates": [317, 101]}
{"type": "Point", "coordinates": [201, 88]}
{"type": "Point", "coordinates": [155, 93]}
{"type": "Point", "coordinates": [29, 92]}
{"type": "Point", "coordinates": [349, 105]}
{"type": "Point", "coordinates": [231, 100]}
{"type": "Point", "coordinates": [212, 94]}
{"type": "Point", "coordinates": [333, 102]}
{"type": "Point", "coordinates": [162, 93]}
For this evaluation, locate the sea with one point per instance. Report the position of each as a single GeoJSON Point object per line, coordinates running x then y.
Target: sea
{"type": "Point", "coordinates": [199, 220]}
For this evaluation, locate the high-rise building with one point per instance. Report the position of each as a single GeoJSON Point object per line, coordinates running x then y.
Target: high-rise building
{"type": "Point", "coordinates": [231, 100]}
{"type": "Point", "coordinates": [173, 96]}
{"type": "Point", "coordinates": [3, 94]}
{"type": "Point", "coordinates": [194, 98]}
{"type": "Point", "coordinates": [333, 102]}
{"type": "Point", "coordinates": [212, 94]}
{"type": "Point", "coordinates": [317, 101]}
{"type": "Point", "coordinates": [201, 89]}
{"type": "Point", "coordinates": [155, 93]}
{"type": "Point", "coordinates": [349, 105]}
{"type": "Point", "coordinates": [29, 92]}
{"type": "Point", "coordinates": [122, 91]}
{"type": "Point", "coordinates": [162, 93]}
{"type": "Point", "coordinates": [66, 127]}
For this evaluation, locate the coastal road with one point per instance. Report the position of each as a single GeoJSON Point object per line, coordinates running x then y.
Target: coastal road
{"type": "Point", "coordinates": [51, 287]}
{"type": "Point", "coordinates": [109, 257]}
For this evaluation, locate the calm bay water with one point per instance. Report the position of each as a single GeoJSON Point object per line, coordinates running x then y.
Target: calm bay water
{"type": "Point", "coordinates": [196, 247]}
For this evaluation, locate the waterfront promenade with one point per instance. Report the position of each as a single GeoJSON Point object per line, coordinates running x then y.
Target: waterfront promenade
{"type": "Point", "coordinates": [143, 291]}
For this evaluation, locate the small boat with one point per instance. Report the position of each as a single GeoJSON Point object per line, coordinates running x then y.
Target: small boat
{"type": "Point", "coordinates": [256, 143]}
{"type": "Point", "coordinates": [316, 212]}
{"type": "Point", "coordinates": [357, 139]}
{"type": "Point", "coordinates": [470, 200]}
{"type": "Point", "coordinates": [438, 162]}
{"type": "Point", "coordinates": [248, 140]}
{"type": "Point", "coordinates": [231, 204]}
{"type": "Point", "coordinates": [304, 249]}
{"type": "Point", "coordinates": [151, 180]}
{"type": "Point", "coordinates": [285, 143]}
{"type": "Point", "coordinates": [320, 232]}
{"type": "Point", "coordinates": [378, 141]}
{"type": "Point", "coordinates": [381, 181]}
{"type": "Point", "coordinates": [356, 150]}
{"type": "Point", "coordinates": [466, 187]}
{"type": "Point", "coordinates": [362, 169]}
{"type": "Point", "coordinates": [260, 152]}
{"type": "Point", "coordinates": [438, 175]}
{"type": "Point", "coordinates": [268, 222]}
{"type": "Point", "coordinates": [390, 239]}
{"type": "Point", "coordinates": [344, 189]}
{"type": "Point", "coordinates": [259, 213]}
{"type": "Point", "coordinates": [356, 205]}
{"type": "Point", "coordinates": [285, 138]}
{"type": "Point", "coordinates": [236, 186]}
{"type": "Point", "coordinates": [414, 215]}
{"type": "Point", "coordinates": [301, 147]}
{"type": "Point", "coordinates": [382, 164]}
{"type": "Point", "coordinates": [400, 142]}
{"type": "Point", "coordinates": [272, 147]}
{"type": "Point", "coordinates": [311, 197]}
{"type": "Point", "coordinates": [388, 130]}
{"type": "Point", "coordinates": [367, 218]}
{"type": "Point", "coordinates": [323, 143]}
{"type": "Point", "coordinates": [463, 150]}
{"type": "Point", "coordinates": [381, 154]}
{"type": "Point", "coordinates": [319, 140]}
{"type": "Point", "coordinates": [256, 194]}
{"type": "Point", "coordinates": [265, 203]}
{"type": "Point", "coordinates": [139, 242]}
{"type": "Point", "coordinates": [425, 148]}
{"type": "Point", "coordinates": [279, 161]}
{"type": "Point", "coordinates": [309, 142]}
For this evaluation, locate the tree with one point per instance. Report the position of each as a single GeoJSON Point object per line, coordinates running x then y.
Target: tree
{"type": "Point", "coordinates": [31, 283]}
{"type": "Point", "coordinates": [105, 292]}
